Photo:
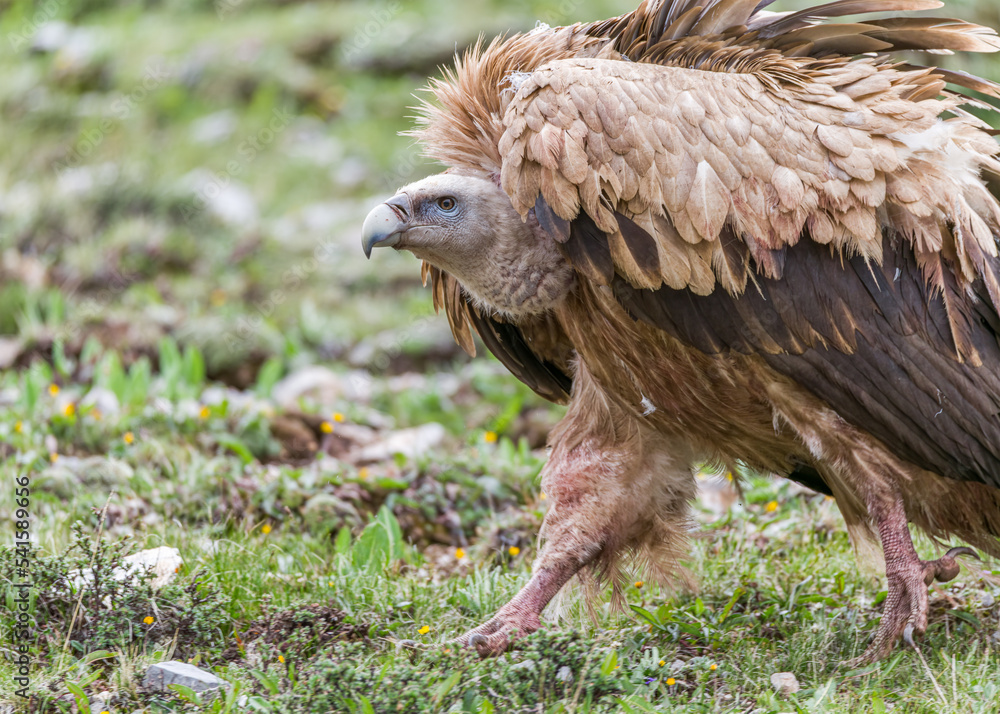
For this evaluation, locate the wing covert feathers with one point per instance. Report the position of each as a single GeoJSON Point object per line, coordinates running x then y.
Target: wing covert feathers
{"type": "Point", "coordinates": [705, 121]}
{"type": "Point", "coordinates": [692, 144]}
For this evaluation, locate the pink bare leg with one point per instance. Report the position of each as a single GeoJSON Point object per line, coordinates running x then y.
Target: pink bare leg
{"type": "Point", "coordinates": [907, 576]}
{"type": "Point", "coordinates": [615, 486]}
{"type": "Point", "coordinates": [520, 616]}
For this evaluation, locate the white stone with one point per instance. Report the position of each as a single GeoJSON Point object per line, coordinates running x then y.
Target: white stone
{"type": "Point", "coordinates": [319, 384]}
{"type": "Point", "coordinates": [160, 676]}
{"type": "Point", "coordinates": [410, 443]}
{"type": "Point", "coordinates": [784, 682]}
{"type": "Point", "coordinates": [162, 561]}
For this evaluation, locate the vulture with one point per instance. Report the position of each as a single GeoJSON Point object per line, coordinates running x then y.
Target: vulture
{"type": "Point", "coordinates": [727, 235]}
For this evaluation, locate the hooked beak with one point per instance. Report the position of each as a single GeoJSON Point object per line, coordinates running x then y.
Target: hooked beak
{"type": "Point", "coordinates": [386, 224]}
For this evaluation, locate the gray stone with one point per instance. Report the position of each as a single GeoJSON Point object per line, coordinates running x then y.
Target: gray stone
{"type": "Point", "coordinates": [160, 676]}
{"type": "Point", "coordinates": [565, 674]}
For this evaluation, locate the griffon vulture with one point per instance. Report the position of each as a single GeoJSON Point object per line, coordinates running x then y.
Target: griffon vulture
{"type": "Point", "coordinates": [725, 235]}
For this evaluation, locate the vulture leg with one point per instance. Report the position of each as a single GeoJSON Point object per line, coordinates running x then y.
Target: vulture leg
{"type": "Point", "coordinates": [614, 487]}
{"type": "Point", "coordinates": [907, 576]}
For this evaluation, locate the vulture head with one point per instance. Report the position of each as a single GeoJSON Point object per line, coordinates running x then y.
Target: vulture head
{"type": "Point", "coordinates": [465, 225]}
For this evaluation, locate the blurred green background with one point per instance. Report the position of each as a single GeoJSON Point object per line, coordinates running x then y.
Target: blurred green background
{"type": "Point", "coordinates": [172, 168]}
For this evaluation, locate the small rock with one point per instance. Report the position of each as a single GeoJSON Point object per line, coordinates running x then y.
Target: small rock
{"type": "Point", "coordinates": [528, 665]}
{"type": "Point", "coordinates": [319, 384]}
{"type": "Point", "coordinates": [565, 674]}
{"type": "Point", "coordinates": [163, 562]}
{"type": "Point", "coordinates": [784, 682]}
{"type": "Point", "coordinates": [10, 350]}
{"type": "Point", "coordinates": [160, 676]}
{"type": "Point", "coordinates": [104, 400]}
{"type": "Point", "coordinates": [408, 442]}
{"type": "Point", "coordinates": [987, 600]}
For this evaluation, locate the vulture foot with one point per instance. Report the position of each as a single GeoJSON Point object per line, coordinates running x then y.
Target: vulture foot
{"type": "Point", "coordinates": [520, 616]}
{"type": "Point", "coordinates": [905, 613]}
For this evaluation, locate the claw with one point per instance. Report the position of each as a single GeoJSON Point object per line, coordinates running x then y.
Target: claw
{"type": "Point", "coordinates": [407, 644]}
{"type": "Point", "coordinates": [476, 640]}
{"type": "Point", "coordinates": [955, 552]}
{"type": "Point", "coordinates": [908, 636]}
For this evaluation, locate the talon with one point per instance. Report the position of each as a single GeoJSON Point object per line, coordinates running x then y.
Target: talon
{"type": "Point", "coordinates": [477, 640]}
{"type": "Point", "coordinates": [955, 552]}
{"type": "Point", "coordinates": [407, 644]}
{"type": "Point", "coordinates": [908, 636]}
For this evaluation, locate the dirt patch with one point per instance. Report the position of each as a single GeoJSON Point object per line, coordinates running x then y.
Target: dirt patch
{"type": "Point", "coordinates": [307, 627]}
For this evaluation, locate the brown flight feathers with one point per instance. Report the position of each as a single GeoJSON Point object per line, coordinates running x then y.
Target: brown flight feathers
{"type": "Point", "coordinates": [769, 127]}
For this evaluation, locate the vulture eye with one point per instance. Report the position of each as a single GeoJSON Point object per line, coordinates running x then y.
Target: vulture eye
{"type": "Point", "coordinates": [447, 203]}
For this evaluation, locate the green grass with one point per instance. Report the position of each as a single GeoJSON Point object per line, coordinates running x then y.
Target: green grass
{"type": "Point", "coordinates": [171, 249]}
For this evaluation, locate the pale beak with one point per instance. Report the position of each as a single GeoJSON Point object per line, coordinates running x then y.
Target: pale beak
{"type": "Point", "coordinates": [386, 224]}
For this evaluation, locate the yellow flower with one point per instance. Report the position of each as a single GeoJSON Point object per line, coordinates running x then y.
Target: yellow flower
{"type": "Point", "coordinates": [53, 389]}
{"type": "Point", "coordinates": [542, 496]}
{"type": "Point", "coordinates": [663, 662]}
{"type": "Point", "coordinates": [326, 427]}
{"type": "Point", "coordinates": [129, 437]}
{"type": "Point", "coordinates": [53, 457]}
{"type": "Point", "coordinates": [105, 712]}
{"type": "Point", "coordinates": [204, 413]}
{"type": "Point", "coordinates": [18, 427]}
{"type": "Point", "coordinates": [513, 550]}
{"type": "Point", "coordinates": [459, 553]}
{"type": "Point", "coordinates": [330, 584]}
{"type": "Point", "coordinates": [729, 476]}
{"type": "Point", "coordinates": [281, 659]}
{"type": "Point", "coordinates": [771, 507]}
{"type": "Point", "coordinates": [338, 417]}
{"type": "Point", "coordinates": [671, 681]}
{"type": "Point", "coordinates": [424, 630]}
{"type": "Point", "coordinates": [639, 584]}
{"type": "Point", "coordinates": [70, 409]}
{"type": "Point", "coordinates": [149, 619]}
{"type": "Point", "coordinates": [265, 529]}
{"type": "Point", "coordinates": [363, 473]}
{"type": "Point", "coordinates": [714, 667]}
{"type": "Point", "coordinates": [490, 437]}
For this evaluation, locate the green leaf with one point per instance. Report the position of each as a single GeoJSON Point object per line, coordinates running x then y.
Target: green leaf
{"type": "Point", "coordinates": [647, 616]}
{"type": "Point", "coordinates": [342, 543]}
{"type": "Point", "coordinates": [269, 374]}
{"type": "Point", "coordinates": [267, 681]}
{"type": "Point", "coordinates": [967, 617]}
{"type": "Point", "coordinates": [98, 654]}
{"type": "Point", "coordinates": [185, 693]}
{"type": "Point", "coordinates": [737, 594]}
{"type": "Point", "coordinates": [82, 702]}
{"type": "Point", "coordinates": [228, 441]}
{"type": "Point", "coordinates": [194, 366]}
{"type": "Point", "coordinates": [447, 685]}
{"type": "Point", "coordinates": [609, 664]}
